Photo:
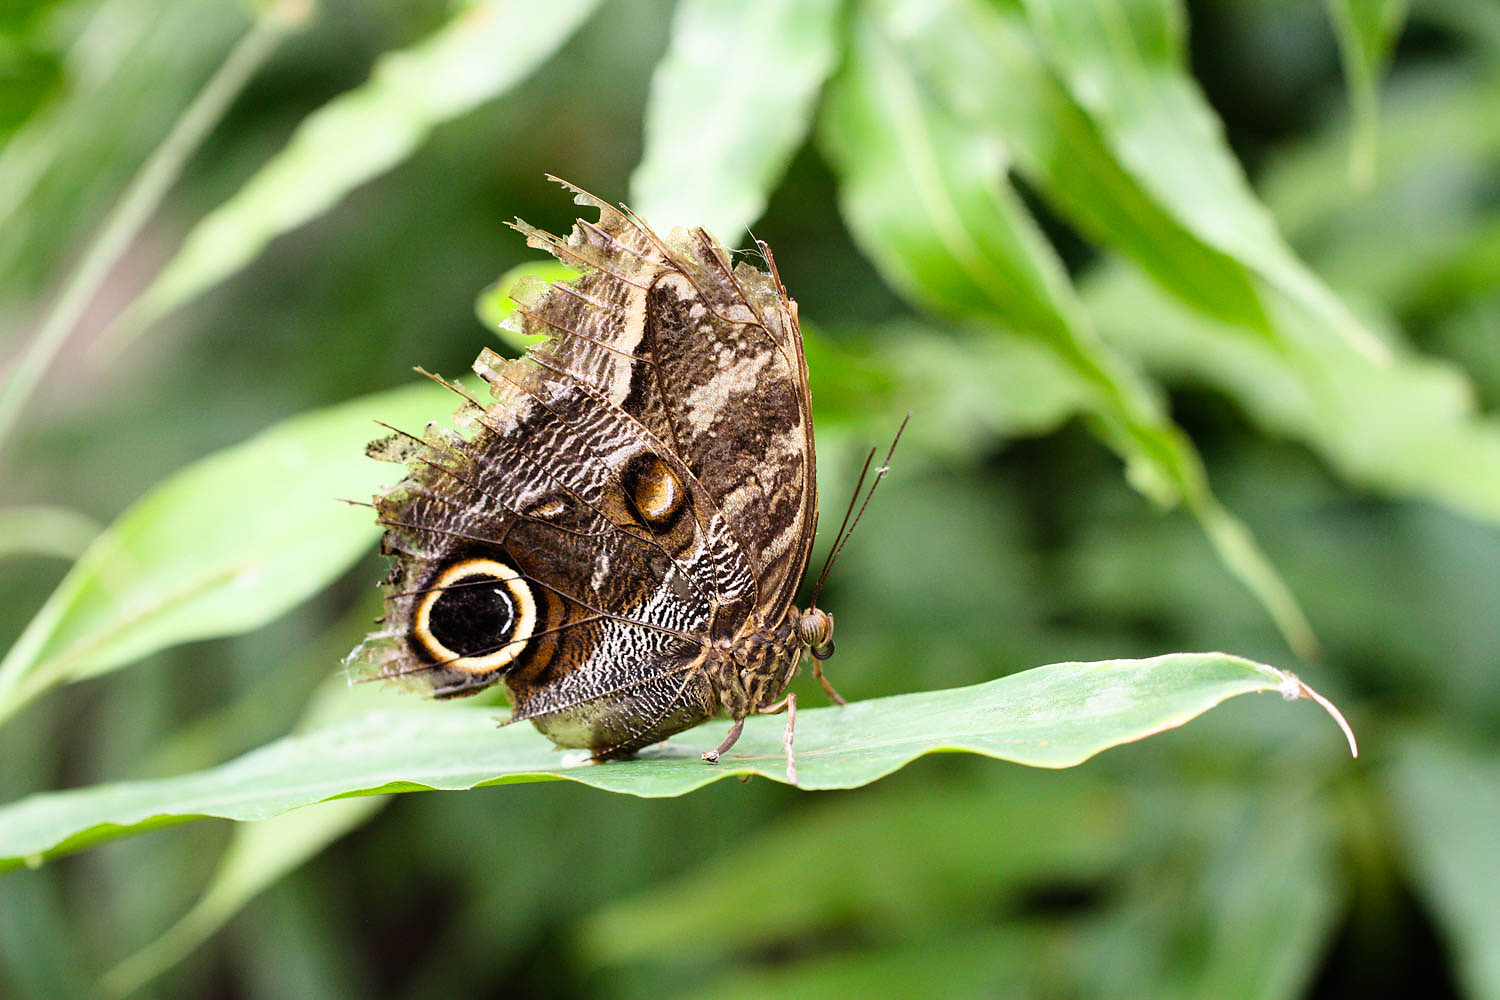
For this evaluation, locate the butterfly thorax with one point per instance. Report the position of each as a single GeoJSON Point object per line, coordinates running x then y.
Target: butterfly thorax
{"type": "Point", "coordinates": [752, 671]}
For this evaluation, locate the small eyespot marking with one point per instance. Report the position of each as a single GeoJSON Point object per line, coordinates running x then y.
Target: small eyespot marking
{"type": "Point", "coordinates": [655, 491]}
{"type": "Point", "coordinates": [547, 509]}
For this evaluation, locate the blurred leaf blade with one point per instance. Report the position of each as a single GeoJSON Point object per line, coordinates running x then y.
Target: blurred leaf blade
{"type": "Point", "coordinates": [1410, 427]}
{"type": "Point", "coordinates": [981, 59]}
{"type": "Point", "coordinates": [130, 65]}
{"type": "Point", "coordinates": [497, 300]}
{"type": "Point", "coordinates": [1448, 804]}
{"type": "Point", "coordinates": [928, 202]}
{"type": "Point", "coordinates": [1062, 828]}
{"type": "Point", "coordinates": [136, 203]}
{"type": "Point", "coordinates": [970, 388]}
{"type": "Point", "coordinates": [34, 144]}
{"type": "Point", "coordinates": [1258, 902]}
{"type": "Point", "coordinates": [1439, 129]}
{"type": "Point", "coordinates": [1422, 238]}
{"type": "Point", "coordinates": [1054, 716]}
{"type": "Point", "coordinates": [221, 547]}
{"type": "Point", "coordinates": [44, 530]}
{"type": "Point", "coordinates": [1413, 427]}
{"type": "Point", "coordinates": [1367, 30]}
{"type": "Point", "coordinates": [961, 965]}
{"type": "Point", "coordinates": [713, 103]}
{"type": "Point", "coordinates": [487, 47]}
{"type": "Point", "coordinates": [934, 214]}
{"type": "Point", "coordinates": [1263, 884]}
{"type": "Point", "coordinates": [260, 855]}
{"type": "Point", "coordinates": [1123, 61]}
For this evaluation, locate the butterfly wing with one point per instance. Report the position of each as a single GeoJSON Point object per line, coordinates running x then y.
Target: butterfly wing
{"type": "Point", "coordinates": [640, 484]}
{"type": "Point", "coordinates": [711, 360]}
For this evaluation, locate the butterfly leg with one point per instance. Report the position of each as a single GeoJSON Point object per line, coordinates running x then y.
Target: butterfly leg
{"type": "Point", "coordinates": [789, 705]}
{"type": "Point", "coordinates": [786, 739]}
{"type": "Point", "coordinates": [712, 756]}
{"type": "Point", "coordinates": [827, 686]}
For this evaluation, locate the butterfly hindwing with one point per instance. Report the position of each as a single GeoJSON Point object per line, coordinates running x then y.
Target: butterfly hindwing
{"type": "Point", "coordinates": [629, 516]}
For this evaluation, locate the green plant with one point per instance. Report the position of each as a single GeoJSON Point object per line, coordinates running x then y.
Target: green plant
{"type": "Point", "coordinates": [1019, 219]}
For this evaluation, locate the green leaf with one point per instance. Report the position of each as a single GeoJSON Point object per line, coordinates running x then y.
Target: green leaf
{"type": "Point", "coordinates": [136, 204]}
{"type": "Point", "coordinates": [1447, 802]}
{"type": "Point", "coordinates": [497, 302]}
{"type": "Point", "coordinates": [1250, 883]}
{"type": "Point", "coordinates": [963, 964]}
{"type": "Point", "coordinates": [259, 856]}
{"type": "Point", "coordinates": [970, 390]}
{"type": "Point", "coordinates": [1402, 243]}
{"type": "Point", "coordinates": [1257, 890]}
{"type": "Point", "coordinates": [219, 548]}
{"type": "Point", "coordinates": [981, 61]}
{"type": "Point", "coordinates": [1054, 716]}
{"type": "Point", "coordinates": [1367, 31]}
{"type": "Point", "coordinates": [927, 200]}
{"type": "Point", "coordinates": [1124, 62]}
{"type": "Point", "coordinates": [1410, 427]}
{"type": "Point", "coordinates": [486, 48]}
{"type": "Point", "coordinates": [720, 129]}
{"type": "Point", "coordinates": [1058, 829]}
{"type": "Point", "coordinates": [130, 68]}
{"type": "Point", "coordinates": [49, 531]}
{"type": "Point", "coordinates": [928, 203]}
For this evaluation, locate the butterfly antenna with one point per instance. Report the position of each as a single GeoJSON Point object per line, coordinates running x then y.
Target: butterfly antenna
{"type": "Point", "coordinates": [841, 538]}
{"type": "Point", "coordinates": [848, 513]}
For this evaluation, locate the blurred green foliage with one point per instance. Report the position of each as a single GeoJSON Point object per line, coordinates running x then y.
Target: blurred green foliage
{"type": "Point", "coordinates": [1252, 247]}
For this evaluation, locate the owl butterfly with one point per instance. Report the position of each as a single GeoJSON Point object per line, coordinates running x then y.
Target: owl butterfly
{"type": "Point", "coordinates": [618, 535]}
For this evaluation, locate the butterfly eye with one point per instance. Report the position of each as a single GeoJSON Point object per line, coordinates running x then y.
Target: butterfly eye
{"type": "Point", "coordinates": [476, 616]}
{"type": "Point", "coordinates": [654, 490]}
{"type": "Point", "coordinates": [815, 629]}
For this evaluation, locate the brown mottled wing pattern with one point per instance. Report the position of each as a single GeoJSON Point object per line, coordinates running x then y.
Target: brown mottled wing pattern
{"type": "Point", "coordinates": [641, 485]}
{"type": "Point", "coordinates": [722, 378]}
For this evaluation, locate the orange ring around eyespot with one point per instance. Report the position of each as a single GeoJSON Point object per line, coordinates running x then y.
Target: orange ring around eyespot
{"type": "Point", "coordinates": [520, 595]}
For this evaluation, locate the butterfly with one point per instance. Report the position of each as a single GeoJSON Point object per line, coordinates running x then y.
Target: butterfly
{"type": "Point", "coordinates": [617, 535]}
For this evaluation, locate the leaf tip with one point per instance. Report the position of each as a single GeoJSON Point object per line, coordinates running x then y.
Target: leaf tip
{"type": "Point", "coordinates": [1292, 688]}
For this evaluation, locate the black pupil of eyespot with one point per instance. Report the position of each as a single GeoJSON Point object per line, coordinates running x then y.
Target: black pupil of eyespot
{"type": "Point", "coordinates": [473, 616]}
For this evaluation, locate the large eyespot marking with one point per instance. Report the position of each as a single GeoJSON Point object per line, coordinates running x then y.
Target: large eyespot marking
{"type": "Point", "coordinates": [654, 490]}
{"type": "Point", "coordinates": [475, 616]}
